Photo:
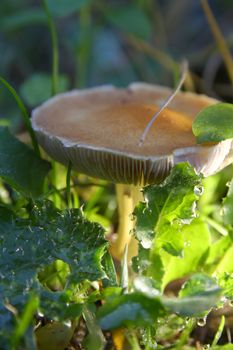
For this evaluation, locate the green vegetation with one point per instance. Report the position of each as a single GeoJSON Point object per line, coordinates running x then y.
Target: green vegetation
{"type": "Point", "coordinates": [59, 286]}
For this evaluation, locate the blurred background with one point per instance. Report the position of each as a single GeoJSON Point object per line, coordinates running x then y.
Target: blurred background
{"type": "Point", "coordinates": [110, 42]}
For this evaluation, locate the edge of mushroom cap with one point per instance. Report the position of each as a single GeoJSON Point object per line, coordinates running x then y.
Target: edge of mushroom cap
{"type": "Point", "coordinates": [131, 168]}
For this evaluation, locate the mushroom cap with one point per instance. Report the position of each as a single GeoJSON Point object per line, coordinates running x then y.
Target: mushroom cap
{"type": "Point", "coordinates": [98, 131]}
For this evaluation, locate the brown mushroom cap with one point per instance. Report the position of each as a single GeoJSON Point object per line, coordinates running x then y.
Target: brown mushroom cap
{"type": "Point", "coordinates": [99, 129]}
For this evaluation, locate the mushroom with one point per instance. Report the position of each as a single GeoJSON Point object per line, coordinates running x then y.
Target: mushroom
{"type": "Point", "coordinates": [98, 131]}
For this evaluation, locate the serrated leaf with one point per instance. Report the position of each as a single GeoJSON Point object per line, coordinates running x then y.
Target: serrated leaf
{"type": "Point", "coordinates": [214, 123]}
{"type": "Point", "coordinates": [167, 207]}
{"type": "Point", "coordinates": [28, 245]}
{"type": "Point", "coordinates": [20, 167]}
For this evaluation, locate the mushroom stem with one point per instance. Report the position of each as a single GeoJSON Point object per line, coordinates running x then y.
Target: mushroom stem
{"type": "Point", "coordinates": [127, 197]}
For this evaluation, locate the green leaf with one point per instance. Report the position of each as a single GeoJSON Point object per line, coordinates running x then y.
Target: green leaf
{"type": "Point", "coordinates": [198, 284]}
{"type": "Point", "coordinates": [214, 123]}
{"type": "Point", "coordinates": [194, 306]}
{"type": "Point", "coordinates": [130, 19]}
{"type": "Point", "coordinates": [95, 339]}
{"type": "Point", "coordinates": [167, 208]}
{"type": "Point", "coordinates": [227, 206]}
{"type": "Point", "coordinates": [217, 251]}
{"type": "Point", "coordinates": [20, 167]}
{"type": "Point", "coordinates": [111, 276]}
{"type": "Point", "coordinates": [49, 234]}
{"type": "Point", "coordinates": [62, 8]}
{"type": "Point", "coordinates": [129, 310]}
{"type": "Point", "coordinates": [197, 243]}
{"type": "Point", "coordinates": [21, 19]}
{"type": "Point", "coordinates": [37, 88]}
{"type": "Point", "coordinates": [225, 281]}
{"type": "Point", "coordinates": [197, 296]}
{"type": "Point", "coordinates": [29, 245]}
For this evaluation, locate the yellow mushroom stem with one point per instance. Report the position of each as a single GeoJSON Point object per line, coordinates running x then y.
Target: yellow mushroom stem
{"type": "Point", "coordinates": [128, 196]}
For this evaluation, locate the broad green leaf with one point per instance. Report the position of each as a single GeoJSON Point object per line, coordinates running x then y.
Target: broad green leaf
{"type": "Point", "coordinates": [146, 286]}
{"type": "Point", "coordinates": [129, 310]}
{"type": "Point", "coordinates": [197, 240]}
{"type": "Point", "coordinates": [131, 20]}
{"type": "Point", "coordinates": [167, 208]}
{"type": "Point", "coordinates": [62, 8]}
{"type": "Point", "coordinates": [198, 284]}
{"type": "Point", "coordinates": [227, 206]}
{"type": "Point", "coordinates": [197, 296]}
{"type": "Point", "coordinates": [37, 88]}
{"type": "Point", "coordinates": [214, 123]}
{"type": "Point", "coordinates": [226, 263]}
{"type": "Point", "coordinates": [217, 252]}
{"type": "Point", "coordinates": [20, 167]}
{"type": "Point", "coordinates": [195, 306]}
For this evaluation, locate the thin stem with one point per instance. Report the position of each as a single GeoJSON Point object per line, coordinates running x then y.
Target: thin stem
{"type": "Point", "coordinates": [83, 49]}
{"type": "Point", "coordinates": [222, 230]}
{"type": "Point", "coordinates": [219, 332]}
{"type": "Point", "coordinates": [25, 114]}
{"type": "Point", "coordinates": [185, 335]}
{"type": "Point", "coordinates": [54, 40]}
{"type": "Point", "coordinates": [132, 340]}
{"type": "Point", "coordinates": [162, 58]}
{"type": "Point", "coordinates": [68, 178]}
{"type": "Point", "coordinates": [184, 68]}
{"type": "Point", "coordinates": [222, 46]}
{"type": "Point", "coordinates": [54, 87]}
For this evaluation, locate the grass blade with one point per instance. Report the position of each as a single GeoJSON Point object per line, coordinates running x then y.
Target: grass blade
{"type": "Point", "coordinates": [24, 112]}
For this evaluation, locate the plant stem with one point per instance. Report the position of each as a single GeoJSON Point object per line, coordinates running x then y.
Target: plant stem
{"type": "Point", "coordinates": [54, 86]}
{"type": "Point", "coordinates": [127, 197]}
{"type": "Point", "coordinates": [133, 340]}
{"type": "Point", "coordinates": [219, 332]}
{"type": "Point", "coordinates": [25, 114]}
{"type": "Point", "coordinates": [185, 335]}
{"type": "Point", "coordinates": [84, 46]}
{"type": "Point", "coordinates": [68, 178]}
{"type": "Point", "coordinates": [226, 55]}
{"type": "Point", "coordinates": [55, 55]}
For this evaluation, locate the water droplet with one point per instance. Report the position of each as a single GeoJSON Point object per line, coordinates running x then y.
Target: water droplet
{"type": "Point", "coordinates": [201, 322]}
{"type": "Point", "coordinates": [198, 190]}
{"type": "Point", "coordinates": [132, 232]}
{"type": "Point", "coordinates": [132, 217]}
{"type": "Point", "coordinates": [177, 222]}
